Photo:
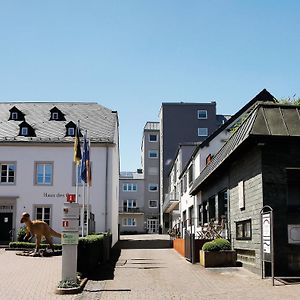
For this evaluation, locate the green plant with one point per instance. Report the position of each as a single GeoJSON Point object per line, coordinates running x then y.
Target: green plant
{"type": "Point", "coordinates": [69, 283]}
{"type": "Point", "coordinates": [222, 244]}
{"type": "Point", "coordinates": [210, 246]}
{"type": "Point", "coordinates": [26, 245]}
{"type": "Point", "coordinates": [217, 245]}
{"type": "Point", "coordinates": [21, 233]}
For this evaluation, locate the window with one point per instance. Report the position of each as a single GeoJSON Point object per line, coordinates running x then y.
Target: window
{"type": "Point", "coordinates": [191, 215]}
{"type": "Point", "coordinates": [202, 114]}
{"type": "Point", "coordinates": [202, 132]}
{"type": "Point", "coordinates": [43, 173]}
{"type": "Point", "coordinates": [55, 116]}
{"type": "Point", "coordinates": [190, 175]}
{"type": "Point", "coordinates": [293, 188]}
{"type": "Point", "coordinates": [184, 183]}
{"type": "Point", "coordinates": [24, 131]}
{"type": "Point", "coordinates": [152, 137]}
{"type": "Point", "coordinates": [243, 230]}
{"type": "Point", "coordinates": [153, 154]}
{"type": "Point", "coordinates": [129, 205]}
{"type": "Point", "coordinates": [8, 173]}
{"type": "Point", "coordinates": [129, 222]}
{"type": "Point", "coordinates": [14, 116]}
{"type": "Point", "coordinates": [43, 213]}
{"type": "Point", "coordinates": [153, 203]}
{"type": "Point", "coordinates": [153, 187]}
{"type": "Point", "coordinates": [71, 131]}
{"type": "Point", "coordinates": [129, 187]}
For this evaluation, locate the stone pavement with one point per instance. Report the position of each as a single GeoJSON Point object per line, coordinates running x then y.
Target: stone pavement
{"type": "Point", "coordinates": [148, 273]}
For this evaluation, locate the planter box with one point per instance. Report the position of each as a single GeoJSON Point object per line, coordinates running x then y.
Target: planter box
{"type": "Point", "coordinates": [226, 258]}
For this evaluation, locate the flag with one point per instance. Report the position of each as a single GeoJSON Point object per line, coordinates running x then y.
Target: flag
{"type": "Point", "coordinates": [85, 160]}
{"type": "Point", "coordinates": [77, 150]}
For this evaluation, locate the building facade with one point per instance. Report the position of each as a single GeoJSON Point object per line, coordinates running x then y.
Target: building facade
{"type": "Point", "coordinates": [37, 168]}
{"type": "Point", "coordinates": [141, 189]}
{"type": "Point", "coordinates": [182, 123]}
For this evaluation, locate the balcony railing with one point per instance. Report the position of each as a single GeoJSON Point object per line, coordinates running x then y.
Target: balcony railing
{"type": "Point", "coordinates": [125, 209]}
{"type": "Point", "coordinates": [171, 202]}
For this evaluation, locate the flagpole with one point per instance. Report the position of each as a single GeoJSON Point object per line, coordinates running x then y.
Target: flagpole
{"type": "Point", "coordinates": [82, 211]}
{"type": "Point", "coordinates": [88, 190]}
{"type": "Point", "coordinates": [77, 157]}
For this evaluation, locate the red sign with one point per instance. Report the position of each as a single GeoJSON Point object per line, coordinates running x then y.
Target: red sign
{"type": "Point", "coordinates": [71, 198]}
{"type": "Point", "coordinates": [65, 223]}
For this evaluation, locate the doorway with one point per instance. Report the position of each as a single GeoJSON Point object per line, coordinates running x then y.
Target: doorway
{"type": "Point", "coordinates": [152, 225]}
{"type": "Point", "coordinates": [6, 220]}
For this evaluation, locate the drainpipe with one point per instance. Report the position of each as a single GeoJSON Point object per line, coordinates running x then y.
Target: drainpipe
{"type": "Point", "coordinates": [106, 189]}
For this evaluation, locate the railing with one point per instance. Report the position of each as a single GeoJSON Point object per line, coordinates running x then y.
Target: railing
{"type": "Point", "coordinates": [131, 209]}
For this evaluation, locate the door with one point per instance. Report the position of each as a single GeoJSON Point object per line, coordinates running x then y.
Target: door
{"type": "Point", "coordinates": [5, 226]}
{"type": "Point", "coordinates": [152, 225]}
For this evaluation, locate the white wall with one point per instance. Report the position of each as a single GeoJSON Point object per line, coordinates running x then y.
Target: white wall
{"type": "Point", "coordinates": [29, 194]}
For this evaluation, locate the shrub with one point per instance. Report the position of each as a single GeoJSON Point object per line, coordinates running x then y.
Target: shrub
{"type": "Point", "coordinates": [210, 246]}
{"type": "Point", "coordinates": [26, 245]}
{"type": "Point", "coordinates": [217, 245]}
{"type": "Point", "coordinates": [21, 233]}
{"type": "Point", "coordinates": [223, 244]}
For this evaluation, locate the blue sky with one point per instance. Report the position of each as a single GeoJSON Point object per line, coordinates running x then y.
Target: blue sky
{"type": "Point", "coordinates": [132, 55]}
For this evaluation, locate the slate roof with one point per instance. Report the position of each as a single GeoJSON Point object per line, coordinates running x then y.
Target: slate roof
{"type": "Point", "coordinates": [152, 126]}
{"type": "Point", "coordinates": [99, 121]}
{"type": "Point", "coordinates": [267, 119]}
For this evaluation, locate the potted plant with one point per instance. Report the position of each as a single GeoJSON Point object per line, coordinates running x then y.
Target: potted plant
{"type": "Point", "coordinates": [217, 253]}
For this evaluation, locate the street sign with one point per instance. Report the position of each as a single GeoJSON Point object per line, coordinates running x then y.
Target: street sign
{"type": "Point", "coordinates": [266, 229]}
{"type": "Point", "coordinates": [70, 238]}
{"type": "Point", "coordinates": [70, 225]}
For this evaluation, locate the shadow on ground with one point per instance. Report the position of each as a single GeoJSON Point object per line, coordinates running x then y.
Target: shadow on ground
{"type": "Point", "coordinates": [106, 271]}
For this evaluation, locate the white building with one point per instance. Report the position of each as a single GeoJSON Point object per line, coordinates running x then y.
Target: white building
{"type": "Point", "coordinates": [37, 168]}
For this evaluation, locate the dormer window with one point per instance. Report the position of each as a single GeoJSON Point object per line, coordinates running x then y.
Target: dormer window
{"type": "Point", "coordinates": [71, 131]}
{"type": "Point", "coordinates": [16, 114]}
{"type": "Point", "coordinates": [56, 115]}
{"type": "Point", "coordinates": [71, 128]}
{"type": "Point", "coordinates": [26, 130]}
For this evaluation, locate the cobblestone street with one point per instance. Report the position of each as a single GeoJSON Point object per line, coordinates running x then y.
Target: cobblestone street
{"type": "Point", "coordinates": [139, 274]}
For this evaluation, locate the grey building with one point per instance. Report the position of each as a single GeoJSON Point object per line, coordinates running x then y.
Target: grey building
{"type": "Point", "coordinates": [139, 191]}
{"type": "Point", "coordinates": [258, 166]}
{"type": "Point", "coordinates": [150, 165]}
{"type": "Point", "coordinates": [131, 202]}
{"type": "Point", "coordinates": [182, 123]}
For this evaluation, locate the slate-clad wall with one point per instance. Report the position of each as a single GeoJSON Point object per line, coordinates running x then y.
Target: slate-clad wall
{"type": "Point", "coordinates": [247, 168]}
{"type": "Point", "coordinates": [276, 158]}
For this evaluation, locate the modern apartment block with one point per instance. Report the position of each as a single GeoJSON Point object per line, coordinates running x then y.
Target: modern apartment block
{"type": "Point", "coordinates": [139, 191]}
{"type": "Point", "coordinates": [150, 165]}
{"type": "Point", "coordinates": [182, 123]}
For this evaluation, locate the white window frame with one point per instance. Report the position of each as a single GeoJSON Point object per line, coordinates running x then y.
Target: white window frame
{"type": "Point", "coordinates": [126, 222]}
{"type": "Point", "coordinates": [152, 185]}
{"type": "Point", "coordinates": [55, 116]}
{"type": "Point", "coordinates": [71, 131]}
{"type": "Point", "coordinates": [156, 201]}
{"type": "Point", "coordinates": [8, 165]}
{"type": "Point", "coordinates": [202, 134]}
{"type": "Point", "coordinates": [14, 115]}
{"type": "Point", "coordinates": [43, 164]}
{"type": "Point", "coordinates": [153, 152]}
{"type": "Point", "coordinates": [24, 131]}
{"type": "Point", "coordinates": [199, 112]}
{"type": "Point", "coordinates": [156, 139]}
{"type": "Point", "coordinates": [129, 187]}
{"type": "Point", "coordinates": [43, 207]}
